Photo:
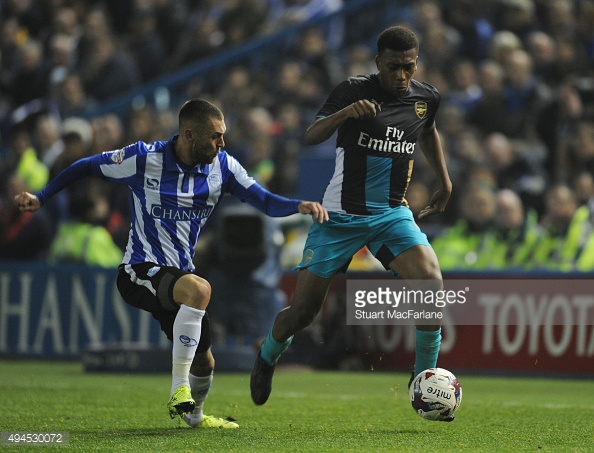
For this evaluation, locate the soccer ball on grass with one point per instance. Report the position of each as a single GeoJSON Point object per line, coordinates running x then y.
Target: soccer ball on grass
{"type": "Point", "coordinates": [435, 394]}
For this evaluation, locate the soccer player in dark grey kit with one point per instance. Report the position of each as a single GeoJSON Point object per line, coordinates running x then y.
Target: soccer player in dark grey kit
{"type": "Point", "coordinates": [380, 118]}
{"type": "Point", "coordinates": [176, 186]}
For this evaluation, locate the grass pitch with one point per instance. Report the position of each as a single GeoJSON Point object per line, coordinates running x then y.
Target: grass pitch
{"type": "Point", "coordinates": [307, 412]}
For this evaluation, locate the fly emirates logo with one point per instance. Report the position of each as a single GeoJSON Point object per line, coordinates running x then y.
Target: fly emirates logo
{"type": "Point", "coordinates": [392, 143]}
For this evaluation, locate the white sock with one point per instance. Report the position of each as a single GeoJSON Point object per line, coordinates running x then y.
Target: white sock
{"type": "Point", "coordinates": [186, 336]}
{"type": "Point", "coordinates": [200, 387]}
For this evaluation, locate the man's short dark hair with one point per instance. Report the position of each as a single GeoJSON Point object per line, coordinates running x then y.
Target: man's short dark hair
{"type": "Point", "coordinates": [398, 38]}
{"type": "Point", "coordinates": [196, 112]}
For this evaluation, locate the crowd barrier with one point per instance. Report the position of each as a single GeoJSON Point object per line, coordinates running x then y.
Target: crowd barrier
{"type": "Point", "coordinates": [61, 311]}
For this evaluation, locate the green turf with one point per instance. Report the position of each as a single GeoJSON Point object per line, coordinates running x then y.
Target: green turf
{"type": "Point", "coordinates": [307, 412]}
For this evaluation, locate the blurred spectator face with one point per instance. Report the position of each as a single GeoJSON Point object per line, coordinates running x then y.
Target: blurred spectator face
{"type": "Point", "coordinates": [20, 142]}
{"type": "Point", "coordinates": [478, 207]}
{"type": "Point", "coordinates": [561, 205]}
{"type": "Point", "coordinates": [509, 210]}
{"type": "Point", "coordinates": [583, 141]}
{"type": "Point", "coordinates": [502, 43]}
{"type": "Point", "coordinates": [9, 34]}
{"type": "Point", "coordinates": [30, 56]}
{"type": "Point", "coordinates": [519, 69]}
{"type": "Point", "coordinates": [47, 131]}
{"type": "Point", "coordinates": [62, 50]}
{"type": "Point", "coordinates": [74, 147]}
{"type": "Point", "coordinates": [427, 14]}
{"type": "Point", "coordinates": [312, 43]}
{"type": "Point", "coordinates": [72, 92]}
{"type": "Point", "coordinates": [107, 133]}
{"type": "Point", "coordinates": [584, 187]}
{"type": "Point", "coordinates": [15, 186]}
{"type": "Point", "coordinates": [499, 150]}
{"type": "Point", "coordinates": [491, 77]}
{"type": "Point", "coordinates": [96, 24]}
{"type": "Point", "coordinates": [141, 125]}
{"type": "Point", "coordinates": [66, 22]}
{"type": "Point", "coordinates": [542, 48]}
{"type": "Point", "coordinates": [560, 15]}
{"type": "Point", "coordinates": [517, 14]}
{"type": "Point", "coordinates": [465, 75]}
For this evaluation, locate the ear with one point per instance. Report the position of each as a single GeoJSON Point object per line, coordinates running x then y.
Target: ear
{"type": "Point", "coordinates": [377, 62]}
{"type": "Point", "coordinates": [189, 134]}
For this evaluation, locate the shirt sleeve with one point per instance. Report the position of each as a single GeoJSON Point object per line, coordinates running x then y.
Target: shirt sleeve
{"type": "Point", "coordinates": [271, 204]}
{"type": "Point", "coordinates": [76, 171]}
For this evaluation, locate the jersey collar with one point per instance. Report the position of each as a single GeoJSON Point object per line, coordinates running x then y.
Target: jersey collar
{"type": "Point", "coordinates": [172, 163]}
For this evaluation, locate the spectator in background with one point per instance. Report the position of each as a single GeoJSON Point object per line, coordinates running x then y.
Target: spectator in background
{"type": "Point", "coordinates": [467, 244]}
{"type": "Point", "coordinates": [77, 136]}
{"type": "Point", "coordinates": [108, 71]}
{"type": "Point", "coordinates": [71, 98]}
{"type": "Point", "coordinates": [84, 239]}
{"type": "Point", "coordinates": [553, 251]}
{"type": "Point", "coordinates": [581, 149]}
{"type": "Point", "coordinates": [146, 44]}
{"type": "Point", "coordinates": [488, 113]}
{"type": "Point", "coordinates": [24, 236]}
{"type": "Point", "coordinates": [471, 22]}
{"type": "Point", "coordinates": [517, 234]}
{"type": "Point", "coordinates": [242, 21]}
{"type": "Point", "coordinates": [31, 81]}
{"type": "Point", "coordinates": [584, 187]}
{"type": "Point", "coordinates": [517, 16]}
{"type": "Point", "coordinates": [108, 133]}
{"type": "Point", "coordinates": [49, 139]}
{"type": "Point", "coordinates": [23, 157]}
{"type": "Point", "coordinates": [62, 60]}
{"type": "Point", "coordinates": [525, 96]}
{"type": "Point", "coordinates": [142, 125]}
{"type": "Point", "coordinates": [287, 147]}
{"type": "Point", "coordinates": [517, 167]}
{"type": "Point", "coordinates": [556, 127]}
{"type": "Point", "coordinates": [543, 51]}
{"type": "Point", "coordinates": [465, 91]}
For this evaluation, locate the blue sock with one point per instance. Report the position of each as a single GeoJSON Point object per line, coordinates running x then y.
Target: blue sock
{"type": "Point", "coordinates": [271, 349]}
{"type": "Point", "coordinates": [427, 349]}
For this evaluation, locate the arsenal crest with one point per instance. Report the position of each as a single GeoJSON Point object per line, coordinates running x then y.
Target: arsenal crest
{"type": "Point", "coordinates": [421, 109]}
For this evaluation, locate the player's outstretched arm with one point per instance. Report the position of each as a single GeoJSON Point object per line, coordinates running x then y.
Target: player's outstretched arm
{"type": "Point", "coordinates": [27, 202]}
{"type": "Point", "coordinates": [314, 208]}
{"type": "Point", "coordinates": [321, 129]}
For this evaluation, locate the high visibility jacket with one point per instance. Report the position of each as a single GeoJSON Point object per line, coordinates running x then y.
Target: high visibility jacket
{"type": "Point", "coordinates": [77, 242]}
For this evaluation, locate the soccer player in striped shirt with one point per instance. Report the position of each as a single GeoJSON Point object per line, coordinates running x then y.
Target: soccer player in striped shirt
{"type": "Point", "coordinates": [176, 185]}
{"type": "Point", "coordinates": [381, 120]}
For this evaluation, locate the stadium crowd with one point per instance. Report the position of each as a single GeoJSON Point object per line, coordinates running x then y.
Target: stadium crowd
{"type": "Point", "coordinates": [516, 117]}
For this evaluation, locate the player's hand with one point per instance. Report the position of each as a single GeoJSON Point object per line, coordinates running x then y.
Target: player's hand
{"type": "Point", "coordinates": [362, 109]}
{"type": "Point", "coordinates": [27, 202]}
{"type": "Point", "coordinates": [314, 208]}
{"type": "Point", "coordinates": [438, 203]}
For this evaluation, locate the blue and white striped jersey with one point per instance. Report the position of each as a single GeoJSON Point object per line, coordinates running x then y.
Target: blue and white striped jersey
{"type": "Point", "coordinates": [172, 202]}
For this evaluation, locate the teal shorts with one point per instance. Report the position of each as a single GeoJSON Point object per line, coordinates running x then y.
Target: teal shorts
{"type": "Point", "coordinates": [330, 246]}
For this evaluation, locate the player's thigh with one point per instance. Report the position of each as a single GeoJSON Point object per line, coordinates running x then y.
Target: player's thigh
{"type": "Point", "coordinates": [330, 246]}
{"type": "Point", "coordinates": [393, 234]}
{"type": "Point", "coordinates": [417, 263]}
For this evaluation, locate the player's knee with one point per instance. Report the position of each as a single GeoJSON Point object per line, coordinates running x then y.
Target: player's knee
{"type": "Point", "coordinates": [193, 291]}
{"type": "Point", "coordinates": [304, 317]}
